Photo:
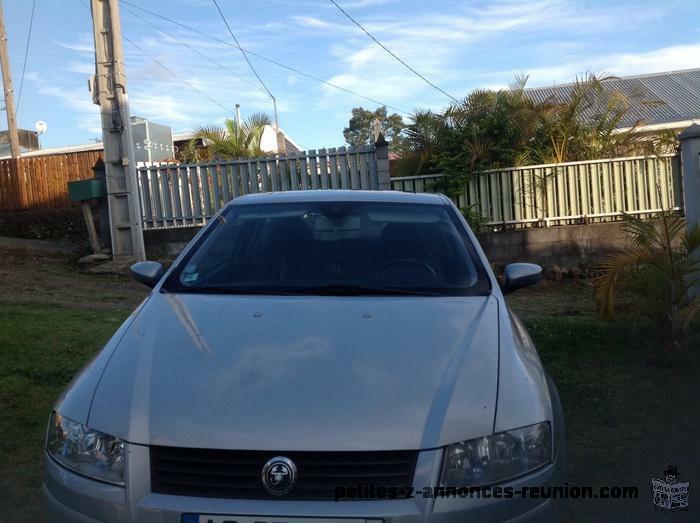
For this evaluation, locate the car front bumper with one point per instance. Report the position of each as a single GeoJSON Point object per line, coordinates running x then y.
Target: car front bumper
{"type": "Point", "coordinates": [70, 497]}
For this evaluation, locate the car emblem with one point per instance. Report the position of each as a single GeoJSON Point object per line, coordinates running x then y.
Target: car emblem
{"type": "Point", "coordinates": [279, 475]}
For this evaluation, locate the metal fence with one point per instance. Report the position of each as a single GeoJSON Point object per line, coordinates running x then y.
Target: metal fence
{"type": "Point", "coordinates": [567, 193]}
{"type": "Point", "coordinates": [178, 195]}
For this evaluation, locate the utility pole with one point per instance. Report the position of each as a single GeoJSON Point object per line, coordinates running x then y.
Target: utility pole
{"type": "Point", "coordinates": [7, 85]}
{"type": "Point", "coordinates": [109, 92]}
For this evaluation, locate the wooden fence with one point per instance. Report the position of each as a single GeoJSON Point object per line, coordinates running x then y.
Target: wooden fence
{"type": "Point", "coordinates": [560, 194]}
{"type": "Point", "coordinates": [178, 195]}
{"type": "Point", "coordinates": [41, 182]}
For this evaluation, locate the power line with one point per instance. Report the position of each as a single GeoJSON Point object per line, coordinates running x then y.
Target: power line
{"type": "Point", "coordinates": [250, 64]}
{"type": "Point", "coordinates": [391, 53]}
{"type": "Point", "coordinates": [26, 54]}
{"type": "Point", "coordinates": [241, 49]}
{"type": "Point", "coordinates": [200, 53]}
{"type": "Point", "coordinates": [167, 69]}
{"type": "Point", "coordinates": [270, 60]}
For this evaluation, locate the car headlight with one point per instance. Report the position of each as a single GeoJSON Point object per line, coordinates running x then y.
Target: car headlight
{"type": "Point", "coordinates": [497, 458]}
{"type": "Point", "coordinates": [84, 450]}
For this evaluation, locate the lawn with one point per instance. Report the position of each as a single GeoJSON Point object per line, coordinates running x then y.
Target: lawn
{"type": "Point", "coordinates": [42, 348]}
{"type": "Point", "coordinates": [626, 420]}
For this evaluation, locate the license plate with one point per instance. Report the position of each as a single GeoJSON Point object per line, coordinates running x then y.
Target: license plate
{"type": "Point", "coordinates": [218, 518]}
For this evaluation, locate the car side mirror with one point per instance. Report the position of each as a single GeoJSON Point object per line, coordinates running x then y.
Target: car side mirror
{"type": "Point", "coordinates": [519, 275]}
{"type": "Point", "coordinates": [149, 272]}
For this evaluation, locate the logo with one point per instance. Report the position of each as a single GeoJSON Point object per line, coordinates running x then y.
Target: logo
{"type": "Point", "coordinates": [669, 494]}
{"type": "Point", "coordinates": [279, 475]}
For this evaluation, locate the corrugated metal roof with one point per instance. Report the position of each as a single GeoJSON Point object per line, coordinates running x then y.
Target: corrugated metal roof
{"type": "Point", "coordinates": [678, 90]}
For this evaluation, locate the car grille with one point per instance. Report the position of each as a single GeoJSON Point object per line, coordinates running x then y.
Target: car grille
{"type": "Point", "coordinates": [237, 473]}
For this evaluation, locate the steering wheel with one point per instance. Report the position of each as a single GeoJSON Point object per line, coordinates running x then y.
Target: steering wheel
{"type": "Point", "coordinates": [406, 262]}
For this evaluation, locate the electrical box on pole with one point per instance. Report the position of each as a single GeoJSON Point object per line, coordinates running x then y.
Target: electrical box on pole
{"type": "Point", "coordinates": [110, 93]}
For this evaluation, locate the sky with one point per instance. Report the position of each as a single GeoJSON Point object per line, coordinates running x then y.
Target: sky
{"type": "Point", "coordinates": [457, 45]}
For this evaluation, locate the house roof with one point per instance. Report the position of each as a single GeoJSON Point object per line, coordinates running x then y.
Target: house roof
{"type": "Point", "coordinates": [679, 90]}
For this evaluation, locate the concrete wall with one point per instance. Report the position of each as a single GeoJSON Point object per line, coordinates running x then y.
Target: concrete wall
{"type": "Point", "coordinates": [166, 244]}
{"type": "Point", "coordinates": [567, 246]}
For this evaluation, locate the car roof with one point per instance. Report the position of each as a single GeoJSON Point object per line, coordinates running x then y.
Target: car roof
{"type": "Point", "coordinates": [324, 195]}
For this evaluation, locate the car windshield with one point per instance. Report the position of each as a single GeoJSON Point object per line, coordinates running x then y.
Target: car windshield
{"type": "Point", "coordinates": [333, 248]}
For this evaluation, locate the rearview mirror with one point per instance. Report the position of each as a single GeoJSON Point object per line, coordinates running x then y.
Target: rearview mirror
{"type": "Point", "coordinates": [149, 272]}
{"type": "Point", "coordinates": [519, 275]}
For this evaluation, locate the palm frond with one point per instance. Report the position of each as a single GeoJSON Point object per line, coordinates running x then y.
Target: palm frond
{"type": "Point", "coordinates": [690, 240]}
{"type": "Point", "coordinates": [257, 120]}
{"type": "Point", "coordinates": [643, 233]}
{"type": "Point", "coordinates": [689, 316]}
{"type": "Point", "coordinates": [232, 140]}
{"type": "Point", "coordinates": [212, 132]}
{"type": "Point", "coordinates": [614, 268]}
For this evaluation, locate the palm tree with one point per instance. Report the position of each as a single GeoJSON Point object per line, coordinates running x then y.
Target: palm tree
{"type": "Point", "coordinates": [660, 270]}
{"type": "Point", "coordinates": [232, 140]}
{"type": "Point", "coordinates": [421, 137]}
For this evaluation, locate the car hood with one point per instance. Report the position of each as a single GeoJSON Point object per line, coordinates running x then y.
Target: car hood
{"type": "Point", "coordinates": [302, 373]}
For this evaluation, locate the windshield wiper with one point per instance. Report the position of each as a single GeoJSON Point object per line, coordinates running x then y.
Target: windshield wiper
{"type": "Point", "coordinates": [357, 290]}
{"type": "Point", "coordinates": [223, 289]}
{"type": "Point", "coordinates": [314, 290]}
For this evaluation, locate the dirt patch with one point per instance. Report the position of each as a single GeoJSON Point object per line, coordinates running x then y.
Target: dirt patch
{"type": "Point", "coordinates": [26, 276]}
{"type": "Point", "coordinates": [552, 298]}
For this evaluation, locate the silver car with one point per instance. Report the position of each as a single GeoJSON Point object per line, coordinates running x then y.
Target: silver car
{"type": "Point", "coordinates": [311, 356]}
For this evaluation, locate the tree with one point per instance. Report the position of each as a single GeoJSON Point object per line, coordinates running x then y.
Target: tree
{"type": "Point", "coordinates": [360, 127]}
{"type": "Point", "coordinates": [232, 141]}
{"type": "Point", "coordinates": [420, 140]}
{"type": "Point", "coordinates": [193, 151]}
{"type": "Point", "coordinates": [586, 125]}
{"type": "Point", "coordinates": [505, 128]}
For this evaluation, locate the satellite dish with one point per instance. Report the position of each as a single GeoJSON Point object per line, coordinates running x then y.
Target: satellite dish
{"type": "Point", "coordinates": [41, 127]}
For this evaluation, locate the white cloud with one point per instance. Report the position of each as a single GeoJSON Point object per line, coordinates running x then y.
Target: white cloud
{"type": "Point", "coordinates": [436, 43]}
{"type": "Point", "coordinates": [83, 44]}
{"type": "Point", "coordinates": [77, 99]}
{"type": "Point", "coordinates": [618, 64]}
{"type": "Point", "coordinates": [364, 3]}
{"type": "Point", "coordinates": [87, 68]}
{"type": "Point", "coordinates": [86, 115]}
{"type": "Point", "coordinates": [312, 21]}
{"type": "Point", "coordinates": [160, 108]}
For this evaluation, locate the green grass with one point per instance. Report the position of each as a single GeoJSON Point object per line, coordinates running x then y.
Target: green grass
{"type": "Point", "coordinates": [41, 348]}
{"type": "Point", "coordinates": [625, 419]}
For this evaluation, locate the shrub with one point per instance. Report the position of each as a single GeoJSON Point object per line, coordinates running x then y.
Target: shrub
{"type": "Point", "coordinates": [659, 270]}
